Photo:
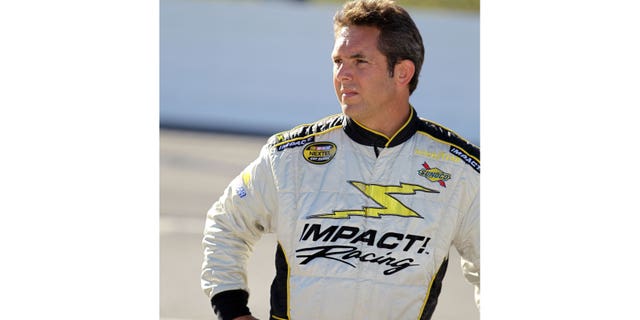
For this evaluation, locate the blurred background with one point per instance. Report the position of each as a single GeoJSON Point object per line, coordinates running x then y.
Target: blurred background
{"type": "Point", "coordinates": [234, 72]}
{"type": "Point", "coordinates": [265, 66]}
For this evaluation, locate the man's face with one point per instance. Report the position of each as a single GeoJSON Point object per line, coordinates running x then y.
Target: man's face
{"type": "Point", "coordinates": [360, 76]}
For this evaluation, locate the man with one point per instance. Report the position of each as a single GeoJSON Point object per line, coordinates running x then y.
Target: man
{"type": "Point", "coordinates": [365, 204]}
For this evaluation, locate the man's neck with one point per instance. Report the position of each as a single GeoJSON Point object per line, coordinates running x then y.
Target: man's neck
{"type": "Point", "coordinates": [391, 122]}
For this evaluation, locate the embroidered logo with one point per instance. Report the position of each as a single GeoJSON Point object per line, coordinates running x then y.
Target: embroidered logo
{"type": "Point", "coordinates": [319, 152]}
{"type": "Point", "coordinates": [434, 174]}
{"type": "Point", "coordinates": [294, 143]}
{"type": "Point", "coordinates": [382, 195]}
{"type": "Point", "coordinates": [475, 164]}
{"type": "Point", "coordinates": [241, 192]}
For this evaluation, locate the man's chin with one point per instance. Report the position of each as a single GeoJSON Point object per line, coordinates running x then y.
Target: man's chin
{"type": "Point", "coordinates": [351, 110]}
{"type": "Point", "coordinates": [346, 108]}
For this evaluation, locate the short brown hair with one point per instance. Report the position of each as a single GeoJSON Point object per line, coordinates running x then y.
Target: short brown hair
{"type": "Point", "coordinates": [399, 37]}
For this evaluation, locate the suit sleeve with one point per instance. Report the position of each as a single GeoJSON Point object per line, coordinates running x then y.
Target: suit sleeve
{"type": "Point", "coordinates": [233, 225]}
{"type": "Point", "coordinates": [467, 242]}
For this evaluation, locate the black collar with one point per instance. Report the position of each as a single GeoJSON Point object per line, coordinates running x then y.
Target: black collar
{"type": "Point", "coordinates": [368, 137]}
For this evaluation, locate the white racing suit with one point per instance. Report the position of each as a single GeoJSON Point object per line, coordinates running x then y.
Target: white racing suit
{"type": "Point", "coordinates": [363, 223]}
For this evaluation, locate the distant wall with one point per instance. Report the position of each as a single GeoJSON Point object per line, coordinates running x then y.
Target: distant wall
{"type": "Point", "coordinates": [265, 66]}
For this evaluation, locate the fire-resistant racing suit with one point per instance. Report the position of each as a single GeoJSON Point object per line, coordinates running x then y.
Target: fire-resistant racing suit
{"type": "Point", "coordinates": [364, 223]}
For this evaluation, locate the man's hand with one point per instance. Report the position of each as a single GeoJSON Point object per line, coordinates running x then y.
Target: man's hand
{"type": "Point", "coordinates": [248, 317]}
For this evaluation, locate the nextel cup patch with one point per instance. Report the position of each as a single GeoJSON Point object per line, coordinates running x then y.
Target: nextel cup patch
{"type": "Point", "coordinates": [319, 152]}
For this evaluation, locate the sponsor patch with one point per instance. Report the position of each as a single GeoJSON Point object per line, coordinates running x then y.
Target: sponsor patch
{"type": "Point", "coordinates": [466, 158]}
{"type": "Point", "coordinates": [319, 152]}
{"type": "Point", "coordinates": [434, 174]}
{"type": "Point", "coordinates": [354, 246]}
{"type": "Point", "coordinates": [246, 177]}
{"type": "Point", "coordinates": [241, 192]}
{"type": "Point", "coordinates": [438, 155]}
{"type": "Point", "coordinates": [294, 143]}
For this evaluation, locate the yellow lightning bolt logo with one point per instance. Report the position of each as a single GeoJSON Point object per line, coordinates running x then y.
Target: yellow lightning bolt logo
{"type": "Point", "coordinates": [382, 196]}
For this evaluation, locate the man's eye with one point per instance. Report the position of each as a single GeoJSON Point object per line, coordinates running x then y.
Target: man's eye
{"type": "Point", "coordinates": [337, 61]}
{"type": "Point", "coordinates": [359, 61]}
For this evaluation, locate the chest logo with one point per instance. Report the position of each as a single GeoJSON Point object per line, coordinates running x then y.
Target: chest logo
{"type": "Point", "coordinates": [382, 195]}
{"type": "Point", "coordinates": [319, 152]}
{"type": "Point", "coordinates": [434, 174]}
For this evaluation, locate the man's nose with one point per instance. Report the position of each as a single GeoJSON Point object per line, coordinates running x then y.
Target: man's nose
{"type": "Point", "coordinates": [344, 73]}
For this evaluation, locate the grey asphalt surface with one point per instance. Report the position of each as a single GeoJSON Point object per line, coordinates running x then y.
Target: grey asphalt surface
{"type": "Point", "coordinates": [194, 169]}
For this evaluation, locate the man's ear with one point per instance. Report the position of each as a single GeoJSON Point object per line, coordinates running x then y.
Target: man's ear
{"type": "Point", "coordinates": [404, 71]}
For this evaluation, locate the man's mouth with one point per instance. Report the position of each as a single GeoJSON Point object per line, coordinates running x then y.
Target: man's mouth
{"type": "Point", "coordinates": [347, 93]}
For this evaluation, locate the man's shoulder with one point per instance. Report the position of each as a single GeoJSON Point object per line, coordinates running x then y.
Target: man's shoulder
{"type": "Point", "coordinates": [305, 133]}
{"type": "Point", "coordinates": [443, 134]}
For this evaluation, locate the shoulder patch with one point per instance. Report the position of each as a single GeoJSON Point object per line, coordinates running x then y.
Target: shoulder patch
{"type": "Point", "coordinates": [465, 157]}
{"type": "Point", "coordinates": [459, 146]}
{"type": "Point", "coordinates": [305, 133]}
{"type": "Point", "coordinates": [295, 143]}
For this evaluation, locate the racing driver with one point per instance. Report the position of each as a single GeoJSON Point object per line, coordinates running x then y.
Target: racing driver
{"type": "Point", "coordinates": [365, 204]}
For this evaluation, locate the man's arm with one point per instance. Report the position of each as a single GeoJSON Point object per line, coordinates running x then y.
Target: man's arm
{"type": "Point", "coordinates": [234, 223]}
{"type": "Point", "coordinates": [467, 242]}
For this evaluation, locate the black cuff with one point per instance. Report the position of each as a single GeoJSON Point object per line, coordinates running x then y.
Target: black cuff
{"type": "Point", "coordinates": [231, 304]}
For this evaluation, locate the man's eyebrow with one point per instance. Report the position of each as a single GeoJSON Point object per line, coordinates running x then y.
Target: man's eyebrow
{"type": "Point", "coordinates": [353, 56]}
